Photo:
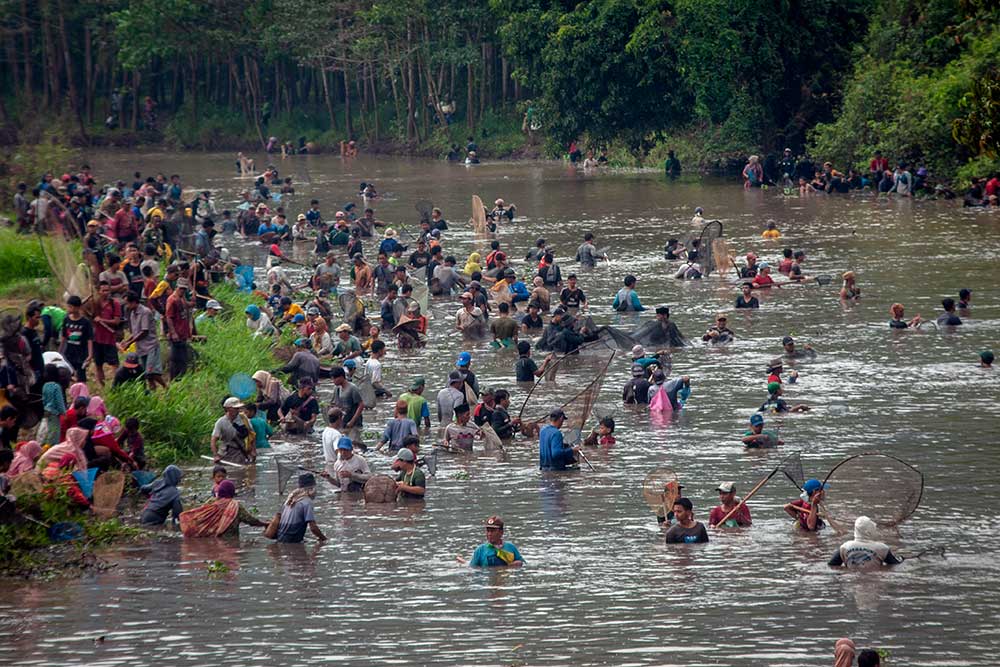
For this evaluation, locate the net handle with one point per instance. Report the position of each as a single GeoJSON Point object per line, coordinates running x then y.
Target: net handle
{"type": "Point", "coordinates": [754, 490]}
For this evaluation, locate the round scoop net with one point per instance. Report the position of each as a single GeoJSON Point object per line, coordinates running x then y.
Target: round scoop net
{"type": "Point", "coordinates": [885, 489]}
{"type": "Point", "coordinates": [108, 490]}
{"type": "Point", "coordinates": [660, 489]}
{"type": "Point", "coordinates": [707, 255]}
{"type": "Point", "coordinates": [380, 489]}
{"type": "Point", "coordinates": [537, 407]}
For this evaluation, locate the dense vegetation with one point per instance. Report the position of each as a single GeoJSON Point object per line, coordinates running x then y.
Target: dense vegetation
{"type": "Point", "coordinates": [716, 79]}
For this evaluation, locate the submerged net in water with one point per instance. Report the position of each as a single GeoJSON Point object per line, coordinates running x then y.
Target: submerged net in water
{"type": "Point", "coordinates": [882, 487]}
{"type": "Point", "coordinates": [285, 473]}
{"type": "Point", "coordinates": [380, 489]}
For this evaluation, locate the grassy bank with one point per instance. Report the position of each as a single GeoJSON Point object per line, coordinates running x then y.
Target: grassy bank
{"type": "Point", "coordinates": [24, 271]}
{"type": "Point", "coordinates": [177, 422]}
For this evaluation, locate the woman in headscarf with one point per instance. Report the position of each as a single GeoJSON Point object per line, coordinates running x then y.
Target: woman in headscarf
{"type": "Point", "coordinates": [220, 518]}
{"type": "Point", "coordinates": [270, 394]}
{"type": "Point", "coordinates": [25, 456]}
{"type": "Point", "coordinates": [843, 653]}
{"type": "Point", "coordinates": [75, 439]}
{"type": "Point", "coordinates": [77, 390]}
{"type": "Point", "coordinates": [864, 551]}
{"type": "Point", "coordinates": [104, 439]}
{"type": "Point", "coordinates": [321, 341]}
{"type": "Point", "coordinates": [259, 322]}
{"type": "Point", "coordinates": [472, 264]}
{"type": "Point", "coordinates": [60, 471]}
{"type": "Point", "coordinates": [164, 498]}
{"type": "Point", "coordinates": [96, 408]}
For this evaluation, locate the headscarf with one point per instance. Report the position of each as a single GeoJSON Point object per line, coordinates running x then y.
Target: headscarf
{"type": "Point", "coordinates": [96, 408]}
{"type": "Point", "coordinates": [253, 311]}
{"type": "Point", "coordinates": [843, 653]}
{"type": "Point", "coordinates": [24, 458]}
{"type": "Point", "coordinates": [270, 386]}
{"type": "Point", "coordinates": [472, 264]}
{"type": "Point", "coordinates": [226, 489]}
{"type": "Point", "coordinates": [77, 390]}
{"type": "Point", "coordinates": [865, 530]}
{"type": "Point", "coordinates": [75, 438]}
{"type": "Point", "coordinates": [164, 491]}
{"type": "Point", "coordinates": [214, 518]}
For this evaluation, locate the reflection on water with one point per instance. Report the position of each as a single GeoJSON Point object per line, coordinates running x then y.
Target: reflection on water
{"type": "Point", "coordinates": [599, 587]}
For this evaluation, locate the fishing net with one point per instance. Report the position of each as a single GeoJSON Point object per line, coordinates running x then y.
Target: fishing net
{"type": "Point", "coordinates": [85, 480]}
{"type": "Point", "coordinates": [144, 477]}
{"type": "Point", "coordinates": [659, 333]}
{"type": "Point", "coordinates": [884, 488]}
{"type": "Point", "coordinates": [478, 219]}
{"type": "Point", "coordinates": [380, 489]}
{"type": "Point", "coordinates": [577, 409]}
{"type": "Point", "coordinates": [285, 473]}
{"type": "Point", "coordinates": [26, 484]}
{"type": "Point", "coordinates": [660, 488]}
{"type": "Point", "coordinates": [722, 256]}
{"type": "Point", "coordinates": [108, 490]}
{"type": "Point", "coordinates": [73, 276]}
{"type": "Point", "coordinates": [430, 461]}
{"type": "Point", "coordinates": [791, 466]}
{"type": "Point", "coordinates": [352, 307]}
{"type": "Point", "coordinates": [706, 247]}
{"type": "Point", "coordinates": [424, 208]}
{"type": "Point", "coordinates": [615, 339]}
{"type": "Point", "coordinates": [242, 386]}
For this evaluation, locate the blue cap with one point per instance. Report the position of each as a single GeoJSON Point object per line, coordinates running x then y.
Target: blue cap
{"type": "Point", "coordinates": [464, 359]}
{"type": "Point", "coordinates": [813, 485]}
{"type": "Point", "coordinates": [345, 443]}
{"type": "Point", "coordinates": [756, 420]}
{"type": "Point", "coordinates": [350, 363]}
{"type": "Point", "coordinates": [299, 317]}
{"type": "Point", "coordinates": [301, 342]}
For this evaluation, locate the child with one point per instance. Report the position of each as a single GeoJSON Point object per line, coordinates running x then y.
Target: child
{"type": "Point", "coordinates": [53, 404]}
{"type": "Point", "coordinates": [771, 232]}
{"type": "Point", "coordinates": [525, 368]}
{"type": "Point", "coordinates": [219, 474]}
{"type": "Point", "coordinates": [603, 434]}
{"type": "Point", "coordinates": [373, 368]}
{"type": "Point", "coordinates": [260, 426]}
{"type": "Point", "coordinates": [373, 337]}
{"type": "Point", "coordinates": [131, 441]}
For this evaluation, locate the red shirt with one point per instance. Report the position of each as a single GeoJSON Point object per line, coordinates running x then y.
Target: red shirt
{"type": "Point", "coordinates": [785, 266]}
{"type": "Point", "coordinates": [742, 515]}
{"type": "Point", "coordinates": [67, 421]}
{"type": "Point", "coordinates": [124, 224]}
{"type": "Point", "coordinates": [110, 310]}
{"type": "Point", "coordinates": [803, 515]}
{"type": "Point", "coordinates": [878, 164]}
{"type": "Point", "coordinates": [993, 187]}
{"type": "Point", "coordinates": [178, 313]}
{"type": "Point", "coordinates": [774, 377]}
{"type": "Point", "coordinates": [762, 281]}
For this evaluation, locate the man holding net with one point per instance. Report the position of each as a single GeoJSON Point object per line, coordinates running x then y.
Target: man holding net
{"type": "Point", "coordinates": [805, 510]}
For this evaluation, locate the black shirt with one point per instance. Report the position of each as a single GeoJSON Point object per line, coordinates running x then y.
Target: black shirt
{"type": "Point", "coordinates": [898, 324]}
{"type": "Point", "coordinates": [308, 407]}
{"type": "Point", "coordinates": [419, 258]}
{"type": "Point", "coordinates": [76, 334]}
{"type": "Point", "coordinates": [743, 303]}
{"type": "Point", "coordinates": [133, 272]}
{"type": "Point", "coordinates": [35, 345]}
{"type": "Point", "coordinates": [524, 369]}
{"type": "Point", "coordinates": [572, 298]}
{"type": "Point", "coordinates": [533, 322]}
{"type": "Point", "coordinates": [501, 423]}
{"type": "Point", "coordinates": [123, 375]}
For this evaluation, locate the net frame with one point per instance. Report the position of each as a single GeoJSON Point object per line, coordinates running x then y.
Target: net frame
{"type": "Point", "coordinates": [478, 219]}
{"type": "Point", "coordinates": [380, 489]}
{"type": "Point", "coordinates": [550, 372]}
{"type": "Point", "coordinates": [285, 471]}
{"type": "Point", "coordinates": [841, 511]}
{"type": "Point", "coordinates": [108, 489]}
{"type": "Point", "coordinates": [706, 246]}
{"type": "Point", "coordinates": [424, 207]}
{"type": "Point", "coordinates": [576, 417]}
{"type": "Point", "coordinates": [655, 489]}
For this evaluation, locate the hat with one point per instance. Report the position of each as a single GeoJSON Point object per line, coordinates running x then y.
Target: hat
{"type": "Point", "coordinates": [494, 522]}
{"type": "Point", "coordinates": [213, 305]}
{"type": "Point", "coordinates": [131, 360]}
{"type": "Point", "coordinates": [775, 363]}
{"type": "Point", "coordinates": [987, 356]}
{"type": "Point", "coordinates": [662, 310]}
{"type": "Point", "coordinates": [698, 210]}
{"type": "Point", "coordinates": [253, 311]}
{"type": "Point", "coordinates": [638, 370]}
{"type": "Point", "coordinates": [787, 340]}
{"type": "Point", "coordinates": [350, 363]}
{"type": "Point", "coordinates": [466, 295]}
{"type": "Point", "coordinates": [764, 265]}
{"type": "Point", "coordinates": [435, 233]}
{"type": "Point", "coordinates": [390, 233]}
{"type": "Point", "coordinates": [475, 284]}
{"type": "Point", "coordinates": [306, 480]}
{"type": "Point", "coordinates": [312, 310]}
{"type": "Point", "coordinates": [773, 387]}
{"type": "Point", "coordinates": [301, 342]}
{"type": "Point", "coordinates": [417, 383]}
{"type": "Point", "coordinates": [813, 485]}
{"type": "Point", "coordinates": [345, 443]}
{"type": "Point", "coordinates": [638, 351]}
{"type": "Point", "coordinates": [557, 414]}
{"type": "Point", "coordinates": [750, 256]}
{"type": "Point", "coordinates": [93, 223]}
{"type": "Point", "coordinates": [721, 316]}
{"type": "Point", "coordinates": [343, 327]}
{"type": "Point", "coordinates": [301, 216]}
{"type": "Point", "coordinates": [405, 454]}
{"type": "Point", "coordinates": [232, 402]}
{"type": "Point", "coordinates": [298, 317]}
{"type": "Point", "coordinates": [756, 420]}
{"type": "Point", "coordinates": [455, 376]}
{"type": "Point", "coordinates": [464, 359]}
{"type": "Point", "coordinates": [726, 487]}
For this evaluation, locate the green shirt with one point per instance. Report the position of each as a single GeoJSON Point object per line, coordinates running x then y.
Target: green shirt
{"type": "Point", "coordinates": [56, 314]}
{"type": "Point", "coordinates": [262, 429]}
{"type": "Point", "coordinates": [413, 478]}
{"type": "Point", "coordinates": [416, 406]}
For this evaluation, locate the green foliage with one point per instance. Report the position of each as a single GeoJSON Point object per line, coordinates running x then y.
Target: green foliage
{"type": "Point", "coordinates": [42, 150]}
{"type": "Point", "coordinates": [25, 253]}
{"type": "Point", "coordinates": [177, 422]}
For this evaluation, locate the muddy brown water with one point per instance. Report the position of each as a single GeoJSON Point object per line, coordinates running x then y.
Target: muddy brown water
{"type": "Point", "coordinates": [600, 588]}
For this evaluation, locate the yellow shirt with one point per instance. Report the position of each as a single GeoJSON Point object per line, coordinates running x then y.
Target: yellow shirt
{"type": "Point", "coordinates": [771, 234]}
{"type": "Point", "coordinates": [161, 288]}
{"type": "Point", "coordinates": [292, 311]}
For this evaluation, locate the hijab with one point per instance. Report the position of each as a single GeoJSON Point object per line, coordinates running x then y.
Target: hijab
{"type": "Point", "coordinates": [77, 390]}
{"type": "Point", "coordinates": [270, 387]}
{"type": "Point", "coordinates": [96, 408]}
{"type": "Point", "coordinates": [163, 492]}
{"type": "Point", "coordinates": [843, 653]}
{"type": "Point", "coordinates": [75, 439]}
{"type": "Point", "coordinates": [24, 458]}
{"type": "Point", "coordinates": [226, 489]}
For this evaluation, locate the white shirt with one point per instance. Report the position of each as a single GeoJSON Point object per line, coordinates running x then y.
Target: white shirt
{"type": "Point", "coordinates": [262, 326]}
{"type": "Point", "coordinates": [373, 369]}
{"type": "Point", "coordinates": [331, 437]}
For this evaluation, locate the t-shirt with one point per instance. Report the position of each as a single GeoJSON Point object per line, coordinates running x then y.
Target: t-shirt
{"type": "Point", "coordinates": [948, 319]}
{"type": "Point", "coordinates": [763, 280]}
{"type": "Point", "coordinates": [552, 452]}
{"type": "Point", "coordinates": [898, 324]}
{"type": "Point", "coordinates": [110, 310]}
{"type": "Point", "coordinates": [414, 478]}
{"type": "Point", "coordinates": [741, 518]}
{"type": "Point", "coordinates": [417, 407]}
{"type": "Point", "coordinates": [76, 334]}
{"type": "Point", "coordinates": [178, 313]}
{"type": "Point", "coordinates": [419, 259]}
{"type": "Point", "coordinates": [348, 398]}
{"type": "Point", "coordinates": [294, 520]}
{"type": "Point", "coordinates": [373, 367]}
{"type": "Point", "coordinates": [572, 298]}
{"type": "Point", "coordinates": [397, 429]}
{"type": "Point", "coordinates": [330, 437]}
{"type": "Point", "coordinates": [308, 407]}
{"type": "Point", "coordinates": [524, 369]}
{"type": "Point", "coordinates": [343, 348]}
{"type": "Point", "coordinates": [503, 327]}
{"type": "Point", "coordinates": [489, 555]}
{"type": "Point", "coordinates": [461, 437]}
{"type": "Point", "coordinates": [133, 272]}
{"type": "Point", "coordinates": [802, 519]}
{"type": "Point", "coordinates": [743, 303]}
{"type": "Point", "coordinates": [447, 400]}
{"type": "Point", "coordinates": [678, 534]}
{"type": "Point", "coordinates": [530, 322]}
{"type": "Point", "coordinates": [141, 319]}
{"type": "Point", "coordinates": [262, 430]}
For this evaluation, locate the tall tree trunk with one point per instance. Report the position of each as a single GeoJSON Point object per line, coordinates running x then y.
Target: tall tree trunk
{"type": "Point", "coordinates": [15, 71]}
{"type": "Point", "coordinates": [329, 100]}
{"type": "Point", "coordinates": [90, 75]}
{"type": "Point", "coordinates": [375, 109]}
{"type": "Point", "coordinates": [347, 106]}
{"type": "Point", "coordinates": [483, 80]}
{"type": "Point", "coordinates": [74, 99]}
{"type": "Point", "coordinates": [194, 85]}
{"type": "Point", "coordinates": [26, 53]}
{"type": "Point", "coordinates": [504, 76]}
{"type": "Point", "coordinates": [135, 99]}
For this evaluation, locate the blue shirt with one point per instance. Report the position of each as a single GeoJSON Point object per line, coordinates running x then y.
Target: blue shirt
{"type": "Point", "coordinates": [485, 555]}
{"type": "Point", "coordinates": [294, 520]}
{"type": "Point", "coordinates": [264, 228]}
{"type": "Point", "coordinates": [262, 429]}
{"type": "Point", "coordinates": [627, 299]}
{"type": "Point", "coordinates": [553, 454]}
{"type": "Point", "coordinates": [313, 216]}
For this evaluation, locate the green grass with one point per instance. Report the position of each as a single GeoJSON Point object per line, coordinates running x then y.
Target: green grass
{"type": "Point", "coordinates": [21, 258]}
{"type": "Point", "coordinates": [176, 423]}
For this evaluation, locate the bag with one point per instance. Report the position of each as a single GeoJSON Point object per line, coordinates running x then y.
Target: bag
{"type": "Point", "coordinates": [271, 532]}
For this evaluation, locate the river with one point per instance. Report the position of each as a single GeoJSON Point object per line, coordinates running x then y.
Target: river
{"type": "Point", "coordinates": [600, 587]}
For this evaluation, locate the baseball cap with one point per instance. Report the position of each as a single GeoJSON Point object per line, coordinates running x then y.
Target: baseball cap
{"type": "Point", "coordinates": [786, 340]}
{"type": "Point", "coordinates": [638, 370]}
{"type": "Point", "coordinates": [638, 351]}
{"type": "Point", "coordinates": [494, 522]}
{"type": "Point", "coordinates": [131, 360]}
{"type": "Point", "coordinates": [557, 414]}
{"type": "Point", "coordinates": [213, 305]}
{"type": "Point", "coordinates": [726, 487]}
{"type": "Point", "coordinates": [405, 454]}
{"type": "Point", "coordinates": [417, 383]}
{"type": "Point", "coordinates": [756, 420]}
{"type": "Point", "coordinates": [464, 359]}
{"type": "Point", "coordinates": [345, 443]}
{"type": "Point", "coordinates": [350, 363]}
{"type": "Point", "coordinates": [232, 402]}
{"type": "Point", "coordinates": [454, 376]}
{"type": "Point", "coordinates": [813, 485]}
{"type": "Point", "coordinates": [298, 317]}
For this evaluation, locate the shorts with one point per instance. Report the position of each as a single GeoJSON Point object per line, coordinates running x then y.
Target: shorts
{"type": "Point", "coordinates": [151, 363]}
{"type": "Point", "coordinates": [105, 353]}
